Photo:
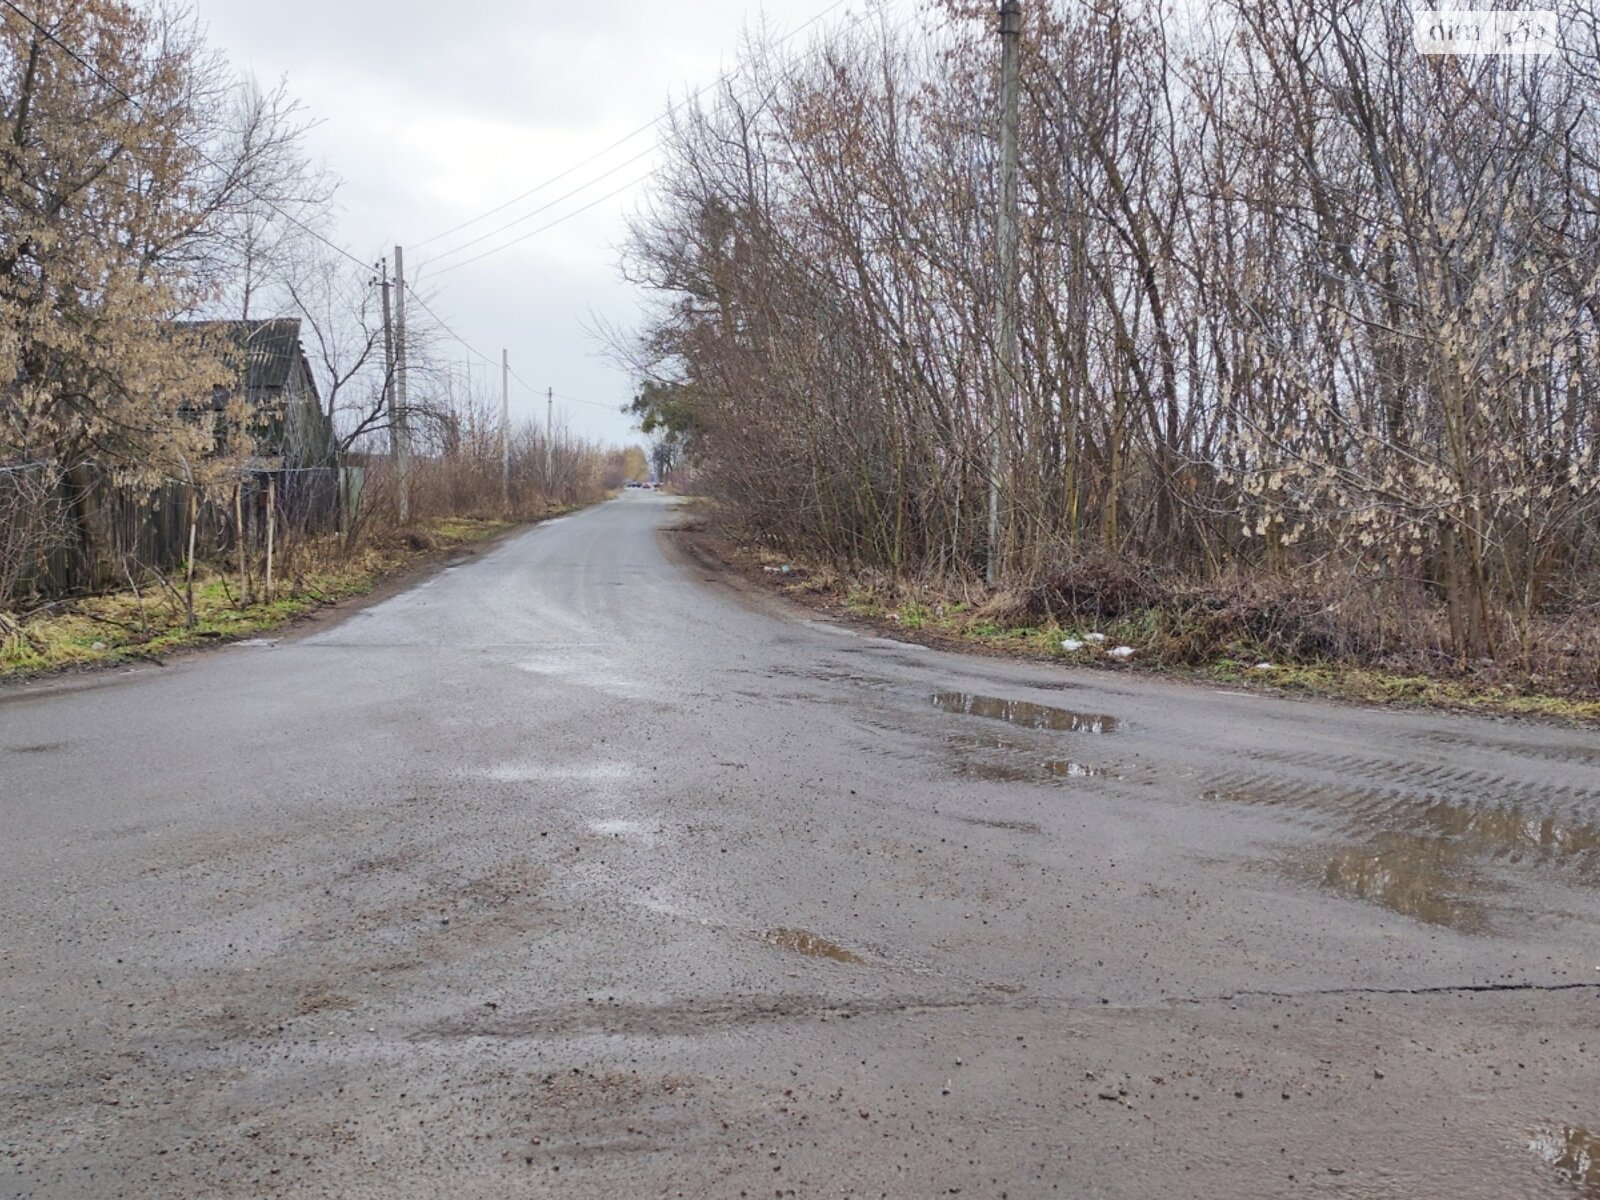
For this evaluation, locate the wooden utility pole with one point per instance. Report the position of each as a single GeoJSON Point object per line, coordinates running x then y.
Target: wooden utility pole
{"type": "Point", "coordinates": [505, 430]}
{"type": "Point", "coordinates": [549, 433]}
{"type": "Point", "coordinates": [1006, 238]}
{"type": "Point", "coordinates": [401, 434]}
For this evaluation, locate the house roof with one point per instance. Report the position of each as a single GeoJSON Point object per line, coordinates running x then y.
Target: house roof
{"type": "Point", "coordinates": [270, 347]}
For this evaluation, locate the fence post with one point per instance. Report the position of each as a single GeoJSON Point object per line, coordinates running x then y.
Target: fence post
{"type": "Point", "coordinates": [272, 523]}
{"type": "Point", "coordinates": [188, 573]}
{"type": "Point", "coordinates": [238, 523]}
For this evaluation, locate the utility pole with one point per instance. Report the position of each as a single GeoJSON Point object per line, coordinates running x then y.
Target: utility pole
{"type": "Point", "coordinates": [1006, 237]}
{"type": "Point", "coordinates": [388, 364]}
{"type": "Point", "coordinates": [505, 430]}
{"type": "Point", "coordinates": [549, 444]}
{"type": "Point", "coordinates": [402, 430]}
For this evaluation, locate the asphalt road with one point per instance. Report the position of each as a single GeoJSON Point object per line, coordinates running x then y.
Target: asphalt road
{"type": "Point", "coordinates": [572, 872]}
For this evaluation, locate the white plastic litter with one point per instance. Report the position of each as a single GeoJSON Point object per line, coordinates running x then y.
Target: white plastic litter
{"type": "Point", "coordinates": [1071, 644]}
{"type": "Point", "coordinates": [1094, 637]}
{"type": "Point", "coordinates": [1122, 652]}
{"type": "Point", "coordinates": [1264, 666]}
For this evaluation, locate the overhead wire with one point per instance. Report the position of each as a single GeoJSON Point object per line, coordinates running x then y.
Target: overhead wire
{"type": "Point", "coordinates": [723, 78]}
{"type": "Point", "coordinates": [592, 404]}
{"type": "Point", "coordinates": [551, 393]}
{"type": "Point", "coordinates": [625, 138]}
{"type": "Point", "coordinates": [545, 207]}
{"type": "Point", "coordinates": [446, 327]}
{"type": "Point", "coordinates": [632, 183]}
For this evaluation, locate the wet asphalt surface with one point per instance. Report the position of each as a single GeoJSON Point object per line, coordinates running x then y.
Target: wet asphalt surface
{"type": "Point", "coordinates": [573, 872]}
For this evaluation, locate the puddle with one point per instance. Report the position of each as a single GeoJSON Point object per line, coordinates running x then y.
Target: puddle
{"type": "Point", "coordinates": [1574, 1153]}
{"type": "Point", "coordinates": [1043, 771]}
{"type": "Point", "coordinates": [1506, 831]}
{"type": "Point", "coordinates": [1509, 831]}
{"type": "Point", "coordinates": [997, 760]}
{"type": "Point", "coordinates": [1023, 713]}
{"type": "Point", "coordinates": [1427, 857]}
{"type": "Point", "coordinates": [1427, 879]}
{"type": "Point", "coordinates": [803, 941]}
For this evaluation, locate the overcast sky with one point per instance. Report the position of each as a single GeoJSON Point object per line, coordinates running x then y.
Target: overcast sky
{"type": "Point", "coordinates": [434, 111]}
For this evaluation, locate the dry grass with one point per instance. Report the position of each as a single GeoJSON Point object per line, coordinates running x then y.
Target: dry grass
{"type": "Point", "coordinates": [1280, 635]}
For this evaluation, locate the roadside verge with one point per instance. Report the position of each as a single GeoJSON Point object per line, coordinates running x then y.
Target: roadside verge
{"type": "Point", "coordinates": [952, 622]}
{"type": "Point", "coordinates": [150, 623]}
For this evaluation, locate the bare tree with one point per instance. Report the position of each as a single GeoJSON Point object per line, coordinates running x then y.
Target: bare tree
{"type": "Point", "coordinates": [1297, 302]}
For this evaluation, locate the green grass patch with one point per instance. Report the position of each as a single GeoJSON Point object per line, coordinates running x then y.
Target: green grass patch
{"type": "Point", "coordinates": [466, 530]}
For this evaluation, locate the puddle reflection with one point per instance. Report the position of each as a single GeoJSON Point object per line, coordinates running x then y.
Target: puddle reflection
{"type": "Point", "coordinates": [803, 941]}
{"type": "Point", "coordinates": [1508, 830]}
{"type": "Point", "coordinates": [1427, 857]}
{"type": "Point", "coordinates": [1023, 713]}
{"type": "Point", "coordinates": [1043, 771]}
{"type": "Point", "coordinates": [1574, 1153]}
{"type": "Point", "coordinates": [1419, 877]}
{"type": "Point", "coordinates": [998, 760]}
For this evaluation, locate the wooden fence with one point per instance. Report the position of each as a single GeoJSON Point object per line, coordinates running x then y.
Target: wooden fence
{"type": "Point", "coordinates": [135, 529]}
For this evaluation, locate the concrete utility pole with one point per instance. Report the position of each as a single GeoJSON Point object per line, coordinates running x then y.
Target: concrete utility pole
{"type": "Point", "coordinates": [402, 431]}
{"type": "Point", "coordinates": [549, 444]}
{"type": "Point", "coordinates": [505, 430]}
{"type": "Point", "coordinates": [1006, 237]}
{"type": "Point", "coordinates": [388, 361]}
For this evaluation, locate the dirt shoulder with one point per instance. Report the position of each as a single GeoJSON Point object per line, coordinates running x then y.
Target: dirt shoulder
{"type": "Point", "coordinates": [952, 624]}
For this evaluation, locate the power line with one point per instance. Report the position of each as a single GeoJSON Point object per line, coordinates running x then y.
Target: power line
{"type": "Point", "coordinates": [206, 158]}
{"type": "Point", "coordinates": [632, 183]}
{"type": "Point", "coordinates": [616, 408]}
{"type": "Point", "coordinates": [723, 78]}
{"type": "Point", "coordinates": [627, 137]}
{"type": "Point", "coordinates": [566, 399]}
{"type": "Point", "coordinates": [535, 392]}
{"type": "Point", "coordinates": [545, 207]}
{"type": "Point", "coordinates": [444, 325]}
